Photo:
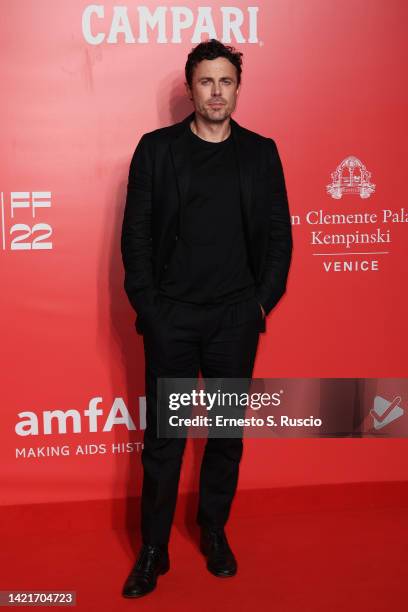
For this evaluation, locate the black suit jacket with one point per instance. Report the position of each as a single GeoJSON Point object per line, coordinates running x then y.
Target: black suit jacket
{"type": "Point", "coordinates": [156, 193]}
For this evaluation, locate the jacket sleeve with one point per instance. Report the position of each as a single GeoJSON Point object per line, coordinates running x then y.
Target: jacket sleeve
{"type": "Point", "coordinates": [279, 248]}
{"type": "Point", "coordinates": [136, 238]}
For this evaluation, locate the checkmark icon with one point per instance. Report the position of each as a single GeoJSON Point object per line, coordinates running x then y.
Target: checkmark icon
{"type": "Point", "coordinates": [384, 411]}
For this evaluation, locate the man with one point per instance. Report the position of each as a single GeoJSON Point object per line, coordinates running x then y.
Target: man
{"type": "Point", "coordinates": [206, 247]}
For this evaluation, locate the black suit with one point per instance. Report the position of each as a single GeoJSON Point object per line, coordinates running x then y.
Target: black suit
{"type": "Point", "coordinates": [181, 339]}
{"type": "Point", "coordinates": [157, 190]}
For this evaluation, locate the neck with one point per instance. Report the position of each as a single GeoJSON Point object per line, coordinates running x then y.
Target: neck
{"type": "Point", "coordinates": [213, 132]}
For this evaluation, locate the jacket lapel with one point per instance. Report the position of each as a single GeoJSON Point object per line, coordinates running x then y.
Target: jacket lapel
{"type": "Point", "coordinates": [245, 161]}
{"type": "Point", "coordinates": [180, 152]}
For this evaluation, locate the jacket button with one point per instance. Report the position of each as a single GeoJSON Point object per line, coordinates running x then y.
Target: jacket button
{"type": "Point", "coordinates": [176, 237]}
{"type": "Point", "coordinates": [165, 267]}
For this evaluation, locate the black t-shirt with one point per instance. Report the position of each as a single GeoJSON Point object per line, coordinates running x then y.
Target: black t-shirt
{"type": "Point", "coordinates": [209, 264]}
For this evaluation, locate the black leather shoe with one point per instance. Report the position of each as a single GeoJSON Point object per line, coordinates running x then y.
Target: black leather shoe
{"type": "Point", "coordinates": [220, 558]}
{"type": "Point", "coordinates": [151, 562]}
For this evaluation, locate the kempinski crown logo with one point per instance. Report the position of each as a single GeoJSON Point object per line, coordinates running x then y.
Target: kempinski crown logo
{"type": "Point", "coordinates": [350, 176]}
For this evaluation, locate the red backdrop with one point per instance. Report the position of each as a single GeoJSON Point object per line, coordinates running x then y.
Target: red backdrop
{"type": "Point", "coordinates": [326, 81]}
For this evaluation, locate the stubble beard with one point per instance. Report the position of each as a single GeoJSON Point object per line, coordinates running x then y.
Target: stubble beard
{"type": "Point", "coordinates": [216, 116]}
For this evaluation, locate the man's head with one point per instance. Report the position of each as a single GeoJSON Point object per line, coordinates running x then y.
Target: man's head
{"type": "Point", "coordinates": [213, 74]}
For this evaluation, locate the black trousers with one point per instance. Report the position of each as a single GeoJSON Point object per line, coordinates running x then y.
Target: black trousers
{"type": "Point", "coordinates": [179, 341]}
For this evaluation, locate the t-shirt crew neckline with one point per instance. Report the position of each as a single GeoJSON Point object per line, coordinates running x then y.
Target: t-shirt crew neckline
{"type": "Point", "coordinates": [207, 143]}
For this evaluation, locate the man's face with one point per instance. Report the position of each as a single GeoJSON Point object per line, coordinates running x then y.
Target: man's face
{"type": "Point", "coordinates": [214, 89]}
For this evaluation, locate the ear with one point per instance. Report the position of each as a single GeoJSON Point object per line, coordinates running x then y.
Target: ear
{"type": "Point", "coordinates": [188, 90]}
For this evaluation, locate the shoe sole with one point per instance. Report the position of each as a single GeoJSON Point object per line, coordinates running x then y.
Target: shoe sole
{"type": "Point", "coordinates": [219, 575]}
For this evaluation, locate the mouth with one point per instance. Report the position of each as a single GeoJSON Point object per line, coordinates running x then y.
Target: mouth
{"type": "Point", "coordinates": [216, 104]}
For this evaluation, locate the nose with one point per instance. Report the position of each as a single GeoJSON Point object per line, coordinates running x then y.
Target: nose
{"type": "Point", "coordinates": [216, 89]}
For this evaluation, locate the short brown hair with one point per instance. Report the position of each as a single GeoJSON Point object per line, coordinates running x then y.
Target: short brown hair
{"type": "Point", "coordinates": [209, 50]}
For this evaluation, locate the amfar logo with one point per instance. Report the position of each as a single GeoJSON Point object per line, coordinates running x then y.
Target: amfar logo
{"type": "Point", "coordinates": [350, 176]}
{"type": "Point", "coordinates": [385, 412]}
{"type": "Point", "coordinates": [60, 421]}
{"type": "Point", "coordinates": [164, 20]}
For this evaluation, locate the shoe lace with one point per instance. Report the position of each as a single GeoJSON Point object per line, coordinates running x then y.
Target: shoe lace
{"type": "Point", "coordinates": [218, 540]}
{"type": "Point", "coordinates": [147, 560]}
